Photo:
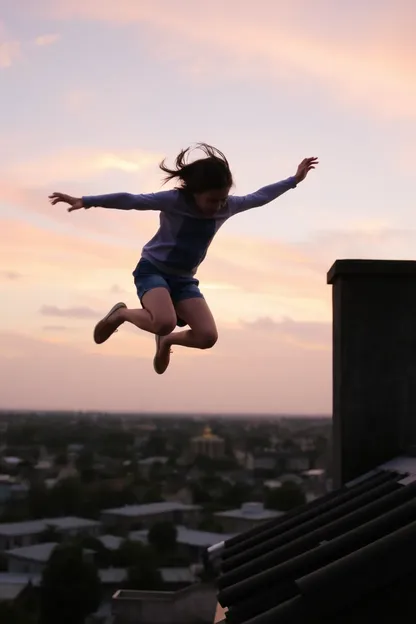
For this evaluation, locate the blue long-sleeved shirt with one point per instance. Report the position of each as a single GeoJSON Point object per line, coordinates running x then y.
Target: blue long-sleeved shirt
{"type": "Point", "coordinates": [185, 234]}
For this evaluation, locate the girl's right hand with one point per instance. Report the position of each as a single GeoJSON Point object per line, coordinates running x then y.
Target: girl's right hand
{"type": "Point", "coordinates": [75, 203]}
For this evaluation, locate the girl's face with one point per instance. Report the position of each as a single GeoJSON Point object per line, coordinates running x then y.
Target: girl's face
{"type": "Point", "coordinates": [210, 202]}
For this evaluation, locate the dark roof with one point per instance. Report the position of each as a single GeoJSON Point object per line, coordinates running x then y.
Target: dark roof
{"type": "Point", "coordinates": [343, 558]}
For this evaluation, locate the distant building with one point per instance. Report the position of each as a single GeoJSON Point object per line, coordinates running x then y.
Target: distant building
{"type": "Point", "coordinates": [305, 443]}
{"type": "Point", "coordinates": [145, 515]}
{"type": "Point", "coordinates": [248, 516]}
{"type": "Point", "coordinates": [75, 449]}
{"type": "Point", "coordinates": [13, 586]}
{"type": "Point", "coordinates": [146, 465]}
{"type": "Point", "coordinates": [18, 534]}
{"type": "Point", "coordinates": [291, 478]}
{"type": "Point", "coordinates": [45, 467]}
{"type": "Point", "coordinates": [11, 489]}
{"type": "Point", "coordinates": [175, 580]}
{"type": "Point", "coordinates": [11, 462]}
{"type": "Point", "coordinates": [30, 560]}
{"type": "Point", "coordinates": [111, 580]}
{"type": "Point", "coordinates": [195, 603]}
{"type": "Point", "coordinates": [241, 458]}
{"type": "Point", "coordinates": [208, 444]}
{"type": "Point", "coordinates": [190, 542]}
{"type": "Point", "coordinates": [316, 482]}
{"type": "Point", "coordinates": [264, 463]}
{"type": "Point", "coordinates": [33, 559]}
{"type": "Point", "coordinates": [111, 542]}
{"type": "Point", "coordinates": [69, 471]}
{"type": "Point", "coordinates": [297, 463]}
{"type": "Point", "coordinates": [272, 484]}
{"type": "Point", "coordinates": [178, 493]}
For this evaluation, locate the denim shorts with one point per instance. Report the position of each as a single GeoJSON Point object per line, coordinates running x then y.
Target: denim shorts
{"type": "Point", "coordinates": [147, 277]}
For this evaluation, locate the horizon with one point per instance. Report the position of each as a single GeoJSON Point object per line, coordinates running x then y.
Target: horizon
{"type": "Point", "coordinates": [196, 415]}
{"type": "Point", "coordinates": [96, 93]}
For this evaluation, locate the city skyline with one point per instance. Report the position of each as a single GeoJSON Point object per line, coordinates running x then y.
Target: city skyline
{"type": "Point", "coordinates": [97, 93]}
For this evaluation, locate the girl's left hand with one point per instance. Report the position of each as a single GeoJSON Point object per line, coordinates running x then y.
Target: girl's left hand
{"type": "Point", "coordinates": [305, 166]}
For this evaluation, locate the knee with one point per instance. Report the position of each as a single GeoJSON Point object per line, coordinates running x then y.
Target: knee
{"type": "Point", "coordinates": [164, 326]}
{"type": "Point", "coordinates": [207, 339]}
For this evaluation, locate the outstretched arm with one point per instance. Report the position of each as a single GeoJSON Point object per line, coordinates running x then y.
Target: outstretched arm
{"type": "Point", "coordinates": [161, 201]}
{"type": "Point", "coordinates": [271, 192]}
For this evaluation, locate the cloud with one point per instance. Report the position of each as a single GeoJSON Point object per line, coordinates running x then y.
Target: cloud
{"type": "Point", "coordinates": [85, 223]}
{"type": "Point", "coordinates": [117, 290]}
{"type": "Point", "coordinates": [27, 245]}
{"type": "Point", "coordinates": [373, 69]}
{"type": "Point", "coordinates": [57, 328]}
{"type": "Point", "coordinates": [76, 164]}
{"type": "Point", "coordinates": [66, 269]}
{"type": "Point", "coordinates": [74, 313]}
{"type": "Point", "coordinates": [77, 101]}
{"type": "Point", "coordinates": [405, 154]}
{"type": "Point", "coordinates": [10, 276]}
{"type": "Point", "coordinates": [245, 278]}
{"type": "Point", "coordinates": [309, 336]}
{"type": "Point", "coordinates": [10, 51]}
{"type": "Point", "coordinates": [369, 240]}
{"type": "Point", "coordinates": [288, 378]}
{"type": "Point", "coordinates": [274, 280]}
{"type": "Point", "coordinates": [254, 264]}
{"type": "Point", "coordinates": [46, 40]}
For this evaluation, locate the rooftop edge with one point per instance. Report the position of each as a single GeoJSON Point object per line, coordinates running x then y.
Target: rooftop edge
{"type": "Point", "coordinates": [387, 268]}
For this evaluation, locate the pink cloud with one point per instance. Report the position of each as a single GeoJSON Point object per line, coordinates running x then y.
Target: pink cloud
{"type": "Point", "coordinates": [10, 276]}
{"type": "Point", "coordinates": [280, 277]}
{"type": "Point", "coordinates": [57, 328]}
{"type": "Point", "coordinates": [263, 262]}
{"type": "Point", "coordinates": [46, 40]}
{"type": "Point", "coordinates": [75, 164]}
{"type": "Point", "coordinates": [310, 336]}
{"type": "Point", "coordinates": [42, 374]}
{"type": "Point", "coordinates": [75, 313]}
{"type": "Point", "coordinates": [241, 277]}
{"type": "Point", "coordinates": [372, 70]}
{"type": "Point", "coordinates": [10, 51]}
{"type": "Point", "coordinates": [116, 290]}
{"type": "Point", "coordinates": [35, 200]}
{"type": "Point", "coordinates": [369, 239]}
{"type": "Point", "coordinates": [77, 101]}
{"type": "Point", "coordinates": [29, 246]}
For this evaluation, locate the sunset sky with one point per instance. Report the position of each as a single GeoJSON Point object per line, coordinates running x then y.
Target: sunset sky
{"type": "Point", "coordinates": [94, 93]}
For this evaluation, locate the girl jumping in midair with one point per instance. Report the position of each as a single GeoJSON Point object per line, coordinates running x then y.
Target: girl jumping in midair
{"type": "Point", "coordinates": [190, 216]}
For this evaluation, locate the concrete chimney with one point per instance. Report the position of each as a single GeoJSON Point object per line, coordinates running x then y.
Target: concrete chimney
{"type": "Point", "coordinates": [374, 364]}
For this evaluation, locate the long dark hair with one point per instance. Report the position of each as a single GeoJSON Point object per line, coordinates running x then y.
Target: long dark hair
{"type": "Point", "coordinates": [205, 174]}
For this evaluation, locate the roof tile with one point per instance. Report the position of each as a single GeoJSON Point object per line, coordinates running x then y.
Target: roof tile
{"type": "Point", "coordinates": [325, 559]}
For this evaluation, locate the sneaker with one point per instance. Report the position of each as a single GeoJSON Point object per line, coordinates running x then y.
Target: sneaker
{"type": "Point", "coordinates": [107, 326]}
{"type": "Point", "coordinates": [161, 360]}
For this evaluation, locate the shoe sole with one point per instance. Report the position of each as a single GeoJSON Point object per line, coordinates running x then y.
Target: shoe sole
{"type": "Point", "coordinates": [159, 372]}
{"type": "Point", "coordinates": [100, 325]}
{"type": "Point", "coordinates": [157, 340]}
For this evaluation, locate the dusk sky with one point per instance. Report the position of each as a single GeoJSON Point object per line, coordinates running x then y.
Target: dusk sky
{"type": "Point", "coordinates": [94, 93]}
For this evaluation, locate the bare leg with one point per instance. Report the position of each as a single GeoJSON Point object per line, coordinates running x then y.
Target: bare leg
{"type": "Point", "coordinates": [158, 316]}
{"type": "Point", "coordinates": [201, 335]}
